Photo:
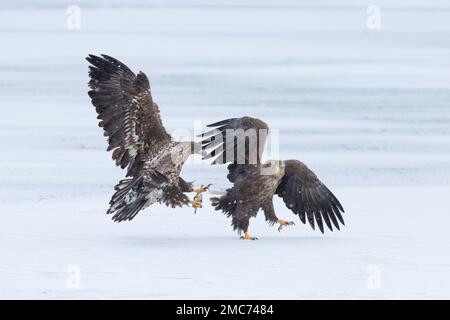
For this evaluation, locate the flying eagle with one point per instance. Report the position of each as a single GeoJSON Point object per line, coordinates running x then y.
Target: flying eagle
{"type": "Point", "coordinates": [240, 141]}
{"type": "Point", "coordinates": [138, 140]}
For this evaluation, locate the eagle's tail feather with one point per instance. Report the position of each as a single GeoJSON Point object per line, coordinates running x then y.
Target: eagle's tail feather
{"type": "Point", "coordinates": [173, 197]}
{"type": "Point", "coordinates": [128, 199]}
{"type": "Point", "coordinates": [225, 203]}
{"type": "Point", "coordinates": [134, 194]}
{"type": "Point", "coordinates": [230, 206]}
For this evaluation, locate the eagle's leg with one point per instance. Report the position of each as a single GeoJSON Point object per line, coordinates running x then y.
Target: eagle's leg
{"type": "Point", "coordinates": [282, 223]}
{"type": "Point", "coordinates": [241, 223]}
{"type": "Point", "coordinates": [247, 236]}
{"type": "Point", "coordinates": [271, 217]}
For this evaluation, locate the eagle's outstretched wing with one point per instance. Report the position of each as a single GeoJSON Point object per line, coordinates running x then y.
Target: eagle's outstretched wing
{"type": "Point", "coordinates": [305, 194]}
{"type": "Point", "coordinates": [237, 140]}
{"type": "Point", "coordinates": [126, 111]}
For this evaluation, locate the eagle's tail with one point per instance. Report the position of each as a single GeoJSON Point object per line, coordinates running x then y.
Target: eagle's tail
{"type": "Point", "coordinates": [134, 194]}
{"type": "Point", "coordinates": [227, 204]}
{"type": "Point", "coordinates": [230, 206]}
{"type": "Point", "coordinates": [173, 197]}
{"type": "Point", "coordinates": [224, 204]}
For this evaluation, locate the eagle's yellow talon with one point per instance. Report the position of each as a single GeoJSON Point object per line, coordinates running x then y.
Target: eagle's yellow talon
{"type": "Point", "coordinates": [283, 223]}
{"type": "Point", "coordinates": [247, 236]}
{"type": "Point", "coordinates": [201, 190]}
{"type": "Point", "coordinates": [197, 201]}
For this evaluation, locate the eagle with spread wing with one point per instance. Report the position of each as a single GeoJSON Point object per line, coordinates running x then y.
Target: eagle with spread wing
{"type": "Point", "coordinates": [138, 140]}
{"type": "Point", "coordinates": [240, 142]}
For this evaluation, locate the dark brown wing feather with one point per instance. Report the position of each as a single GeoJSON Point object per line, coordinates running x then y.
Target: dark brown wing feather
{"type": "Point", "coordinates": [307, 196]}
{"type": "Point", "coordinates": [238, 202]}
{"type": "Point", "coordinates": [126, 111]}
{"type": "Point", "coordinates": [218, 144]}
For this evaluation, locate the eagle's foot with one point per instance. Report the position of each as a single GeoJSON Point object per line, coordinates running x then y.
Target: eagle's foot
{"type": "Point", "coordinates": [283, 223]}
{"type": "Point", "coordinates": [196, 203]}
{"type": "Point", "coordinates": [247, 236]}
{"type": "Point", "coordinates": [200, 190]}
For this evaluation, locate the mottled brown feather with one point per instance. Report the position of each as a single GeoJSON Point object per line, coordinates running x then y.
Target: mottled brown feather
{"type": "Point", "coordinates": [216, 145]}
{"type": "Point", "coordinates": [301, 190]}
{"type": "Point", "coordinates": [136, 136]}
{"type": "Point", "coordinates": [126, 111]}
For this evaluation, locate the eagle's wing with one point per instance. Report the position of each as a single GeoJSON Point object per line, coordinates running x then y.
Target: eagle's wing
{"type": "Point", "coordinates": [305, 194]}
{"type": "Point", "coordinates": [237, 140]}
{"type": "Point", "coordinates": [126, 111]}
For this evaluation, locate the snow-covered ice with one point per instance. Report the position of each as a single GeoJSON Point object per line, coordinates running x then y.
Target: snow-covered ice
{"type": "Point", "coordinates": [367, 110]}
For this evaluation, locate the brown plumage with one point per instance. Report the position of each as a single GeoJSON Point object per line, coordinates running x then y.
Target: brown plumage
{"type": "Point", "coordinates": [255, 183]}
{"type": "Point", "coordinates": [137, 138]}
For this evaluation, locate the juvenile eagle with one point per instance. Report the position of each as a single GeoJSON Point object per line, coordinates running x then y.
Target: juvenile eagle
{"type": "Point", "coordinates": [138, 140]}
{"type": "Point", "coordinates": [255, 183]}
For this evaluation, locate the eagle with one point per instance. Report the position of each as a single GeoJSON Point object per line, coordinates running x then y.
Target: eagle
{"type": "Point", "coordinates": [240, 142]}
{"type": "Point", "coordinates": [138, 140]}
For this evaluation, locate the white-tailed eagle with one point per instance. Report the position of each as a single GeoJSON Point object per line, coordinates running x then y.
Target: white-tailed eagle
{"type": "Point", "coordinates": [138, 140]}
{"type": "Point", "coordinates": [255, 183]}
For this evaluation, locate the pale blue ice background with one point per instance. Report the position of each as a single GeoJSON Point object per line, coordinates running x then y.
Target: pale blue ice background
{"type": "Point", "coordinates": [368, 110]}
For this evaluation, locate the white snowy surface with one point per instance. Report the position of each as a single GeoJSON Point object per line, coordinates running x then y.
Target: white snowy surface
{"type": "Point", "coordinates": [367, 110]}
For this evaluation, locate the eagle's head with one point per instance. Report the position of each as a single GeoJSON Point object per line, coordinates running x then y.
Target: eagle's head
{"type": "Point", "coordinates": [273, 168]}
